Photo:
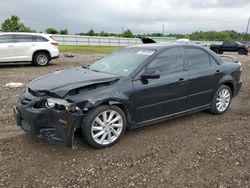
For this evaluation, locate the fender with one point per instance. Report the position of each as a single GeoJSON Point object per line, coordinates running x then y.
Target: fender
{"type": "Point", "coordinates": [41, 50]}
{"type": "Point", "coordinates": [124, 108]}
{"type": "Point", "coordinates": [227, 80]}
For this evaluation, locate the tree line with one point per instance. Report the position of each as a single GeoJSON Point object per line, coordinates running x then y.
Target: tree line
{"type": "Point", "coordinates": [13, 24]}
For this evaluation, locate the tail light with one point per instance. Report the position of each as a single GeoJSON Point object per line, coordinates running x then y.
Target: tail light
{"type": "Point", "coordinates": [55, 43]}
{"type": "Point", "coordinates": [240, 67]}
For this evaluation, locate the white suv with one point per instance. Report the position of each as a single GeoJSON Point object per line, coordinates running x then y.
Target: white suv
{"type": "Point", "coordinates": [32, 47]}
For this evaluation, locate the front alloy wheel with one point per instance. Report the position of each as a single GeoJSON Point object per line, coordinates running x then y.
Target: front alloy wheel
{"type": "Point", "coordinates": [107, 127]}
{"type": "Point", "coordinates": [103, 126]}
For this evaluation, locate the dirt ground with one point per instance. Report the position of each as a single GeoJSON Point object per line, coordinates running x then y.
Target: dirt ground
{"type": "Point", "coordinates": [199, 150]}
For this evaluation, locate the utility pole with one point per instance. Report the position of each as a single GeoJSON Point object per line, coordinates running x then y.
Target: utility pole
{"type": "Point", "coordinates": [163, 29]}
{"type": "Point", "coordinates": [247, 25]}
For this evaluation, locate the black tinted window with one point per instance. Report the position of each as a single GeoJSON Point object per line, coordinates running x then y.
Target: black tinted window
{"type": "Point", "coordinates": [23, 38]}
{"type": "Point", "coordinates": [229, 43]}
{"type": "Point", "coordinates": [198, 59]}
{"type": "Point", "coordinates": [170, 61]}
{"type": "Point", "coordinates": [5, 38]}
{"type": "Point", "coordinates": [40, 39]}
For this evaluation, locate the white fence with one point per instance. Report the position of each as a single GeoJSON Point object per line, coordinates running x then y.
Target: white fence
{"type": "Point", "coordinates": [95, 40]}
{"type": "Point", "coordinates": [78, 40]}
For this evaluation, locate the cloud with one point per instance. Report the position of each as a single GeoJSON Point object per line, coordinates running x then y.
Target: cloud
{"type": "Point", "coordinates": [141, 16]}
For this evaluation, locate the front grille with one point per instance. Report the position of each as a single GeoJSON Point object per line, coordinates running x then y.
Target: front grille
{"type": "Point", "coordinates": [40, 104]}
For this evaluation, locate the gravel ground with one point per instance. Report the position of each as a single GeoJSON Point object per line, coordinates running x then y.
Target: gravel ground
{"type": "Point", "coordinates": [199, 150]}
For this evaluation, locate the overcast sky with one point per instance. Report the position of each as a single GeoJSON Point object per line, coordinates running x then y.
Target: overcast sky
{"type": "Point", "coordinates": [141, 16]}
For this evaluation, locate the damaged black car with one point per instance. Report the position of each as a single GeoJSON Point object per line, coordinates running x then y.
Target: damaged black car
{"type": "Point", "coordinates": [132, 87]}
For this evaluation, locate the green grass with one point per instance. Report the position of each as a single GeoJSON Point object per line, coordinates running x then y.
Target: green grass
{"type": "Point", "coordinates": [87, 49]}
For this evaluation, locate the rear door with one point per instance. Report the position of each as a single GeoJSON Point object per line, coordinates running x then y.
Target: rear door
{"type": "Point", "coordinates": [24, 45]}
{"type": "Point", "coordinates": [166, 95]}
{"type": "Point", "coordinates": [204, 74]}
{"type": "Point", "coordinates": [230, 46]}
{"type": "Point", "coordinates": [7, 49]}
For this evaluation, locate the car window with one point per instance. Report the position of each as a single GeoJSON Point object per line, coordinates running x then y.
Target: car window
{"type": "Point", "coordinates": [170, 61]}
{"type": "Point", "coordinates": [23, 38]}
{"type": "Point", "coordinates": [40, 39]}
{"type": "Point", "coordinates": [229, 43]}
{"type": "Point", "coordinates": [198, 59]}
{"type": "Point", "coordinates": [213, 62]}
{"type": "Point", "coordinates": [5, 38]}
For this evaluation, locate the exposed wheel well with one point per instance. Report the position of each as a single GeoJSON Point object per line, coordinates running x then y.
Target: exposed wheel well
{"type": "Point", "coordinates": [39, 51]}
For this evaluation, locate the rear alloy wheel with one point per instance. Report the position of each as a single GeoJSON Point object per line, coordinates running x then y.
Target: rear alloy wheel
{"type": "Point", "coordinates": [221, 52]}
{"type": "Point", "coordinates": [242, 52]}
{"type": "Point", "coordinates": [41, 59]}
{"type": "Point", "coordinates": [221, 100]}
{"type": "Point", "coordinates": [104, 126]}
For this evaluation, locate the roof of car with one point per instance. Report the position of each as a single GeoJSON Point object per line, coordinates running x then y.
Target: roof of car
{"type": "Point", "coordinates": [159, 46]}
{"type": "Point", "coordinates": [21, 33]}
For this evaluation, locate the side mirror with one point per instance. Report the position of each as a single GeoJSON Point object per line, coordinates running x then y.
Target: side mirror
{"type": "Point", "coordinates": [150, 74]}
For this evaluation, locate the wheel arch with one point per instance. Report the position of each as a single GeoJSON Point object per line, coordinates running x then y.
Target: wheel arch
{"type": "Point", "coordinates": [230, 84]}
{"type": "Point", "coordinates": [122, 106]}
{"type": "Point", "coordinates": [243, 50]}
{"type": "Point", "coordinates": [41, 50]}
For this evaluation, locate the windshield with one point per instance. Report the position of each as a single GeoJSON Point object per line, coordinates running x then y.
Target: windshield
{"type": "Point", "coordinates": [239, 43]}
{"type": "Point", "coordinates": [122, 62]}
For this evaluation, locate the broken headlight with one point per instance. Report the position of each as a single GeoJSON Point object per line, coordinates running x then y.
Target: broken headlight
{"type": "Point", "coordinates": [59, 104]}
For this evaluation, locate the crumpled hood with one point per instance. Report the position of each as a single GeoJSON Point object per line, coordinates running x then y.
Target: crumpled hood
{"type": "Point", "coordinates": [61, 82]}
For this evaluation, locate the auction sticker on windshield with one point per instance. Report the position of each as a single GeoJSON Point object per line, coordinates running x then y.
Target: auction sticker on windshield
{"type": "Point", "coordinates": [142, 52]}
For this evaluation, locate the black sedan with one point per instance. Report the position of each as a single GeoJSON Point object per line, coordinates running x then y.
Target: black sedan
{"type": "Point", "coordinates": [132, 87]}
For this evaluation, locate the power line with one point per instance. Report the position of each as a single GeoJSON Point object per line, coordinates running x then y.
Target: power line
{"type": "Point", "coordinates": [248, 25]}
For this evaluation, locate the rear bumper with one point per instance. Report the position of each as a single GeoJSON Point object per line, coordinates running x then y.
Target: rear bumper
{"type": "Point", "coordinates": [54, 53]}
{"type": "Point", "coordinates": [56, 127]}
{"type": "Point", "coordinates": [55, 57]}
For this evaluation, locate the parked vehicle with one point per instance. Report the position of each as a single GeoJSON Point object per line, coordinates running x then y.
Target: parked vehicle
{"type": "Point", "coordinates": [132, 87]}
{"type": "Point", "coordinates": [39, 49]}
{"type": "Point", "coordinates": [231, 46]}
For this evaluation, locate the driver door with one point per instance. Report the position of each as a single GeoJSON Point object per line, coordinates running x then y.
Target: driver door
{"type": "Point", "coordinates": [156, 98]}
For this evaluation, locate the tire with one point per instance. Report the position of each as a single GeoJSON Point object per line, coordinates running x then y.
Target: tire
{"type": "Point", "coordinates": [221, 52]}
{"type": "Point", "coordinates": [242, 52]}
{"type": "Point", "coordinates": [216, 50]}
{"type": "Point", "coordinates": [41, 59]}
{"type": "Point", "coordinates": [221, 100]}
{"type": "Point", "coordinates": [99, 134]}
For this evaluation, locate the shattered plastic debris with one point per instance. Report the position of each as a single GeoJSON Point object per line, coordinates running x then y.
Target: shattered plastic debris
{"type": "Point", "coordinates": [68, 55]}
{"type": "Point", "coordinates": [14, 84]}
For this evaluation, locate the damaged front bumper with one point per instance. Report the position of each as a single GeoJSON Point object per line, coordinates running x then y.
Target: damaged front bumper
{"type": "Point", "coordinates": [56, 127]}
